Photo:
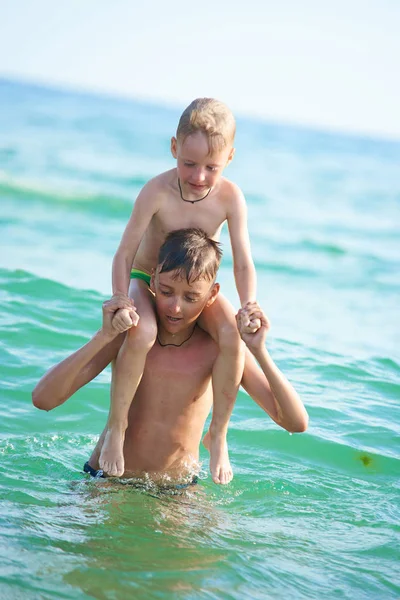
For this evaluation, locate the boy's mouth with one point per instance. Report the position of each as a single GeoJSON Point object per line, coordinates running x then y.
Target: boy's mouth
{"type": "Point", "coordinates": [198, 187]}
{"type": "Point", "coordinates": [173, 319]}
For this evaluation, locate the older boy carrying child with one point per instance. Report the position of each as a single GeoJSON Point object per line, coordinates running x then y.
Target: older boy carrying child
{"type": "Point", "coordinates": [194, 194]}
{"type": "Point", "coordinates": [170, 407]}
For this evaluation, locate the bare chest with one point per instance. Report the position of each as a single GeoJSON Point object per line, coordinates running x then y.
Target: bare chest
{"type": "Point", "coordinates": [208, 214]}
{"type": "Point", "coordinates": [176, 376]}
{"type": "Point", "coordinates": [178, 367]}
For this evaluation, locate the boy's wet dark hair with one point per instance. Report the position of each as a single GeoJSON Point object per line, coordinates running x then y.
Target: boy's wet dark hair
{"type": "Point", "coordinates": [191, 253]}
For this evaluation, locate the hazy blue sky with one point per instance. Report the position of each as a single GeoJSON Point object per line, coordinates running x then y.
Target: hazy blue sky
{"type": "Point", "coordinates": [333, 64]}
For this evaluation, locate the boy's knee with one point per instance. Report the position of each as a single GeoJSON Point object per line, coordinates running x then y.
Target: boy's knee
{"type": "Point", "coordinates": [142, 336]}
{"type": "Point", "coordinates": [37, 400]}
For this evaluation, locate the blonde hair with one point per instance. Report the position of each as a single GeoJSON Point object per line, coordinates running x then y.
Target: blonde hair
{"type": "Point", "coordinates": [211, 117]}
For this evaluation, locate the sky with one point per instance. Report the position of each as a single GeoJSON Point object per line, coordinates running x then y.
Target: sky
{"type": "Point", "coordinates": [330, 65]}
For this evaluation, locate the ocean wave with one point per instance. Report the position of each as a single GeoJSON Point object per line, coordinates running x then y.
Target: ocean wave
{"type": "Point", "coordinates": [342, 450]}
{"type": "Point", "coordinates": [331, 249]}
{"type": "Point", "coordinates": [24, 191]}
{"type": "Point", "coordinates": [27, 286]}
{"type": "Point", "coordinates": [38, 315]}
{"type": "Point", "coordinates": [297, 270]}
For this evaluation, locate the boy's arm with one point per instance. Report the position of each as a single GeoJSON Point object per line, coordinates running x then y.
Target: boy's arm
{"type": "Point", "coordinates": [243, 265]}
{"type": "Point", "coordinates": [146, 205]}
{"type": "Point", "coordinates": [268, 386]}
{"type": "Point", "coordinates": [64, 379]}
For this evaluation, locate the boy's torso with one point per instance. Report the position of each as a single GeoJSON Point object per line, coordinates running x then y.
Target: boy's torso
{"type": "Point", "coordinates": [174, 213]}
{"type": "Point", "coordinates": [168, 412]}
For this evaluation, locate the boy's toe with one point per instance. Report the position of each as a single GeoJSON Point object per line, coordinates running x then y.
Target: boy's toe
{"type": "Point", "coordinates": [216, 477]}
{"type": "Point", "coordinates": [119, 468]}
{"type": "Point", "coordinates": [106, 467]}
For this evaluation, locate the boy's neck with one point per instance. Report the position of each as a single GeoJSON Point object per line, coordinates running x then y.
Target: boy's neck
{"type": "Point", "coordinates": [165, 338]}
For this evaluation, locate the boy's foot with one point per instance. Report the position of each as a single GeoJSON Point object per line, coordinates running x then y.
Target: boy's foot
{"type": "Point", "coordinates": [112, 454]}
{"type": "Point", "coordinates": [220, 467]}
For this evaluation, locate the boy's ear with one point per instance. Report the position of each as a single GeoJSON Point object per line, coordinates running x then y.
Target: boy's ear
{"type": "Point", "coordinates": [213, 294]}
{"type": "Point", "coordinates": [153, 281]}
{"type": "Point", "coordinates": [231, 155]}
{"type": "Point", "coordinates": [174, 144]}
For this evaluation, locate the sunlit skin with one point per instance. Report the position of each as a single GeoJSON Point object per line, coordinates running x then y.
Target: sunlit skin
{"type": "Point", "coordinates": [197, 169]}
{"type": "Point", "coordinates": [169, 410]}
{"type": "Point", "coordinates": [179, 304]}
{"type": "Point", "coordinates": [164, 429]}
{"type": "Point", "coordinates": [158, 210]}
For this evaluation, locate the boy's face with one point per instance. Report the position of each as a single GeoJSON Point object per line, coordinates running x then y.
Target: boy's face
{"type": "Point", "coordinates": [179, 303]}
{"type": "Point", "coordinates": [198, 170]}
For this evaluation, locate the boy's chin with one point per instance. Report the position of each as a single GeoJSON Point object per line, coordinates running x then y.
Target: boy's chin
{"type": "Point", "coordinates": [177, 326]}
{"type": "Point", "coordinates": [173, 326]}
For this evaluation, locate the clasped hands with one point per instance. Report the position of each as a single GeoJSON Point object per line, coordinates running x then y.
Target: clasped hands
{"type": "Point", "coordinates": [119, 315]}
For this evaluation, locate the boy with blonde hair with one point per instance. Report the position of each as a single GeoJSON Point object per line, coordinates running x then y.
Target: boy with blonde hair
{"type": "Point", "coordinates": [194, 194]}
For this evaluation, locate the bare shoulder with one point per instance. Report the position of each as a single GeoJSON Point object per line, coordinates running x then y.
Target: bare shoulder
{"type": "Point", "coordinates": [164, 180]}
{"type": "Point", "coordinates": [159, 186]}
{"type": "Point", "coordinates": [204, 346]}
{"type": "Point", "coordinates": [204, 339]}
{"type": "Point", "coordinates": [231, 192]}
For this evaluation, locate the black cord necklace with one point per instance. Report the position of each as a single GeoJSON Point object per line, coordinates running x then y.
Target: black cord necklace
{"type": "Point", "coordinates": [176, 345]}
{"type": "Point", "coordinates": [192, 201]}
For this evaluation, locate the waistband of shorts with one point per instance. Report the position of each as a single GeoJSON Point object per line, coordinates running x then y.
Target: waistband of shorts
{"type": "Point", "coordinates": [96, 473]}
{"type": "Point", "coordinates": [138, 274]}
{"type": "Point", "coordinates": [99, 473]}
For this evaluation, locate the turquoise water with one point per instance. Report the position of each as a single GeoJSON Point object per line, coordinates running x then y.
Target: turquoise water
{"type": "Point", "coordinates": [307, 516]}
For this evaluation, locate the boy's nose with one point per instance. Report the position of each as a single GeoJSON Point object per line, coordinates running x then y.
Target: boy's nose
{"type": "Point", "coordinates": [175, 306]}
{"type": "Point", "coordinates": [200, 176]}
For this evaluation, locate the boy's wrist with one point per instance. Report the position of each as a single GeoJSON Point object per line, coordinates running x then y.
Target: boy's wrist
{"type": "Point", "coordinates": [106, 335]}
{"type": "Point", "coordinates": [259, 350]}
{"type": "Point", "coordinates": [247, 302]}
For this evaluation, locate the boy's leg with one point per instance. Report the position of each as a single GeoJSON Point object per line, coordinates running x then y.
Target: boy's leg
{"type": "Point", "coordinates": [219, 321]}
{"type": "Point", "coordinates": [126, 377]}
{"type": "Point", "coordinates": [94, 457]}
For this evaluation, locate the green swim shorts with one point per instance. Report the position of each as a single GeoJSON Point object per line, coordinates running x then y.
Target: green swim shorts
{"type": "Point", "coordinates": [138, 274]}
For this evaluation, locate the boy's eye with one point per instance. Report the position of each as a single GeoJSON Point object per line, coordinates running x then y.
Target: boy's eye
{"type": "Point", "coordinates": [189, 299]}
{"type": "Point", "coordinates": [165, 293]}
{"type": "Point", "coordinates": [188, 164]}
{"type": "Point", "coordinates": [212, 168]}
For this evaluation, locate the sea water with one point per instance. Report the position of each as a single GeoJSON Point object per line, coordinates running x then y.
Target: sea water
{"type": "Point", "coordinates": [312, 515]}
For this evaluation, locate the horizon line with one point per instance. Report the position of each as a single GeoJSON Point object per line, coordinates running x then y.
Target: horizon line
{"type": "Point", "coordinates": [172, 106]}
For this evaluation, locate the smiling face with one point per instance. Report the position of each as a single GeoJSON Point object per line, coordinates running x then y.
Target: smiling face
{"type": "Point", "coordinates": [179, 303]}
{"type": "Point", "coordinates": [198, 169]}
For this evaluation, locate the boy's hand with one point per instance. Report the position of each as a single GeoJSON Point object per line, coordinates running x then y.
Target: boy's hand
{"type": "Point", "coordinates": [124, 319]}
{"type": "Point", "coordinates": [117, 303]}
{"type": "Point", "coordinates": [250, 323]}
{"type": "Point", "coordinates": [246, 317]}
